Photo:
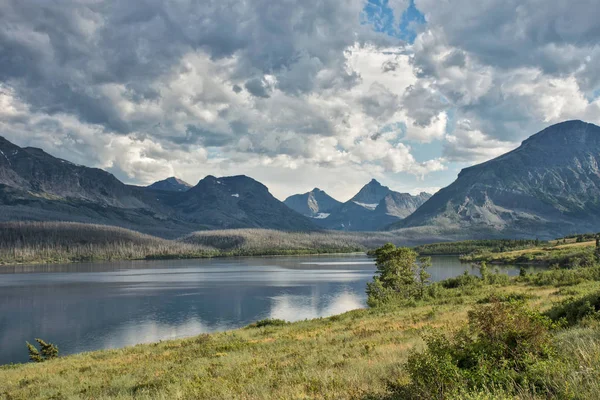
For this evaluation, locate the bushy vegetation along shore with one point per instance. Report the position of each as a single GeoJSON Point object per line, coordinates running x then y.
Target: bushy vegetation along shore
{"type": "Point", "coordinates": [536, 336]}
{"type": "Point", "coordinates": [468, 247]}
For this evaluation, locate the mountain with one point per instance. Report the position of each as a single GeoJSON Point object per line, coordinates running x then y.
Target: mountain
{"type": "Point", "coordinates": [237, 202]}
{"type": "Point", "coordinates": [373, 208]}
{"type": "Point", "coordinates": [401, 205]}
{"type": "Point", "coordinates": [32, 173]}
{"type": "Point", "coordinates": [37, 186]}
{"type": "Point", "coordinates": [546, 188]}
{"type": "Point", "coordinates": [315, 204]}
{"type": "Point", "coordinates": [171, 184]}
{"type": "Point", "coordinates": [371, 194]}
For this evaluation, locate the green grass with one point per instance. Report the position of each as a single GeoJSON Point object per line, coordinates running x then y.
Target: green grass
{"type": "Point", "coordinates": [562, 255]}
{"type": "Point", "coordinates": [355, 355]}
{"type": "Point", "coordinates": [467, 247]}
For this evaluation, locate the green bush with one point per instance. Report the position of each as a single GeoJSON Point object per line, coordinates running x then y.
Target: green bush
{"type": "Point", "coordinates": [563, 277]}
{"type": "Point", "coordinates": [460, 281]}
{"type": "Point", "coordinates": [268, 322]}
{"type": "Point", "coordinates": [501, 347]}
{"type": "Point", "coordinates": [574, 310]}
{"type": "Point", "coordinates": [400, 275]}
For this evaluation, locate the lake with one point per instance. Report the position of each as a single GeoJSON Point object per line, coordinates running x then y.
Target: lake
{"type": "Point", "coordinates": [83, 307]}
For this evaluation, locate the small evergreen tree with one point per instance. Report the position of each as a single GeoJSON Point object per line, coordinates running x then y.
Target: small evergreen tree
{"type": "Point", "coordinates": [34, 354]}
{"type": "Point", "coordinates": [484, 271]}
{"type": "Point", "coordinates": [422, 275]}
{"type": "Point", "coordinates": [47, 351]}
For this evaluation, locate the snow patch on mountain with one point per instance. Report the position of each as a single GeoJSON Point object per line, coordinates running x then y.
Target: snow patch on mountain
{"type": "Point", "coordinates": [367, 206]}
{"type": "Point", "coordinates": [321, 215]}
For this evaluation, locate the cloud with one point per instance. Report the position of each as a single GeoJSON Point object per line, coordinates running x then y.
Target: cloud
{"type": "Point", "coordinates": [319, 90]}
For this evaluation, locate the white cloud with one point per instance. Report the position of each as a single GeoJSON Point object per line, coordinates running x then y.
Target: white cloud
{"type": "Point", "coordinates": [292, 93]}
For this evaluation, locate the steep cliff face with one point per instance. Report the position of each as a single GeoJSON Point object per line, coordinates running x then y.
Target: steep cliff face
{"type": "Point", "coordinates": [548, 186]}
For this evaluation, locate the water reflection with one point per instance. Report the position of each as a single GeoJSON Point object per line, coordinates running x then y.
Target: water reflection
{"type": "Point", "coordinates": [83, 307]}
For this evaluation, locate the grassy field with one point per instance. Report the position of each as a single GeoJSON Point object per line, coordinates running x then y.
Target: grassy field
{"type": "Point", "coordinates": [356, 355]}
{"type": "Point", "coordinates": [468, 247]}
{"type": "Point", "coordinates": [550, 254]}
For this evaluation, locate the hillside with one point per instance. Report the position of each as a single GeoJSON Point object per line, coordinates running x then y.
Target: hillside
{"type": "Point", "coordinates": [35, 186]}
{"type": "Point", "coordinates": [548, 187]}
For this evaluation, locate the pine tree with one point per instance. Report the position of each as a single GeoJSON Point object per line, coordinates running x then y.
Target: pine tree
{"type": "Point", "coordinates": [47, 351]}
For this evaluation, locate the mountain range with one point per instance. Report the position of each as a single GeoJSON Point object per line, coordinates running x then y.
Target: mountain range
{"type": "Point", "coordinates": [373, 208]}
{"type": "Point", "coordinates": [37, 186]}
{"type": "Point", "coordinates": [546, 188]}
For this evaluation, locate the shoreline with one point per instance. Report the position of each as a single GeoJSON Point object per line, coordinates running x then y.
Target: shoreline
{"type": "Point", "coordinates": [174, 258]}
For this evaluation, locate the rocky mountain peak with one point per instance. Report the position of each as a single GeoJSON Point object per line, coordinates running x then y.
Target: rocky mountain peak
{"type": "Point", "coordinates": [172, 184]}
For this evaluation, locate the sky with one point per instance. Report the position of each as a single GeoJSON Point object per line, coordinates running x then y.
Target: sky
{"type": "Point", "coordinates": [294, 93]}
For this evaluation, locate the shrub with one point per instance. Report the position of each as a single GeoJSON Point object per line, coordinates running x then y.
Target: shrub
{"type": "Point", "coordinates": [563, 277]}
{"type": "Point", "coordinates": [268, 322]}
{"type": "Point", "coordinates": [463, 280]}
{"type": "Point", "coordinates": [574, 310]}
{"type": "Point", "coordinates": [500, 347]}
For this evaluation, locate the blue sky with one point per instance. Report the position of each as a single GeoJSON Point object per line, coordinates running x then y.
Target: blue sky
{"type": "Point", "coordinates": [379, 14]}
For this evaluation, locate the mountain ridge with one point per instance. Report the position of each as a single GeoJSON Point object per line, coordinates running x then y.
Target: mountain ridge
{"type": "Point", "coordinates": [549, 186]}
{"type": "Point", "coordinates": [373, 208]}
{"type": "Point", "coordinates": [35, 185]}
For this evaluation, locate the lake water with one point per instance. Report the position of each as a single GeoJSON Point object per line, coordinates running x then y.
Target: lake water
{"type": "Point", "coordinates": [83, 307]}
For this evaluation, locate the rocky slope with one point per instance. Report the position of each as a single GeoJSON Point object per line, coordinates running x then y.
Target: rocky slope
{"type": "Point", "coordinates": [171, 184]}
{"type": "Point", "coordinates": [314, 204]}
{"type": "Point", "coordinates": [548, 187]}
{"type": "Point", "coordinates": [237, 202]}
